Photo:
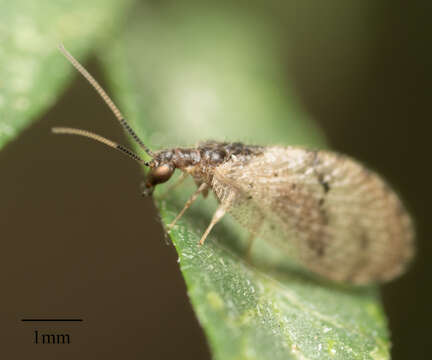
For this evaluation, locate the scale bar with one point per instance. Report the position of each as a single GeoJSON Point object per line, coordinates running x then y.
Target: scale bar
{"type": "Point", "coordinates": [46, 320]}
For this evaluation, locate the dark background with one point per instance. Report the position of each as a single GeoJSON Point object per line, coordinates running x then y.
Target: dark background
{"type": "Point", "coordinates": [102, 256]}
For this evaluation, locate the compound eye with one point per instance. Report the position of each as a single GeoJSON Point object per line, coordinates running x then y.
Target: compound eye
{"type": "Point", "coordinates": [161, 174]}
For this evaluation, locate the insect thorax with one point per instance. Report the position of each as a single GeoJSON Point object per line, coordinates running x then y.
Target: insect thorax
{"type": "Point", "coordinates": [206, 155]}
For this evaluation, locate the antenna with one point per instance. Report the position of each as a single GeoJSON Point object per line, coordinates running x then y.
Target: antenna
{"type": "Point", "coordinates": [105, 98]}
{"type": "Point", "coordinates": [101, 139]}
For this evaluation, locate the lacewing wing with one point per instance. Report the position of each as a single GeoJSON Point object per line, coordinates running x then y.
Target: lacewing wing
{"type": "Point", "coordinates": [325, 210]}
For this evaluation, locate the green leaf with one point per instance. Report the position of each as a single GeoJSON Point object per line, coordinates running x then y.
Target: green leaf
{"type": "Point", "coordinates": [184, 74]}
{"type": "Point", "coordinates": [32, 74]}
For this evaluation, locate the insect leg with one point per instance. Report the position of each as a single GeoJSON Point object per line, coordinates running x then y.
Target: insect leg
{"type": "Point", "coordinates": [205, 192]}
{"type": "Point", "coordinates": [219, 213]}
{"type": "Point", "coordinates": [194, 196]}
{"type": "Point", "coordinates": [250, 242]}
{"type": "Point", "coordinates": [252, 236]}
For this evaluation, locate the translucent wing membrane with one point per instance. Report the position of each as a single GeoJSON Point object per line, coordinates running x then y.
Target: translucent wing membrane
{"type": "Point", "coordinates": [331, 214]}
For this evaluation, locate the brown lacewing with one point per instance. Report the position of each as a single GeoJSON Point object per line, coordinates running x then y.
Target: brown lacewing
{"type": "Point", "coordinates": [327, 211]}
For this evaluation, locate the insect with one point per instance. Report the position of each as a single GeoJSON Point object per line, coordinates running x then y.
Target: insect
{"type": "Point", "coordinates": [337, 218]}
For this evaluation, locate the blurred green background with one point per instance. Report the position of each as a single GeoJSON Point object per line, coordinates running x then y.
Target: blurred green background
{"type": "Point", "coordinates": [360, 69]}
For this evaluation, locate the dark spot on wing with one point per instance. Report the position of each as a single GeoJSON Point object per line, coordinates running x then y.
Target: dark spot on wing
{"type": "Point", "coordinates": [316, 245]}
{"type": "Point", "coordinates": [324, 215]}
{"type": "Point", "coordinates": [325, 185]}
